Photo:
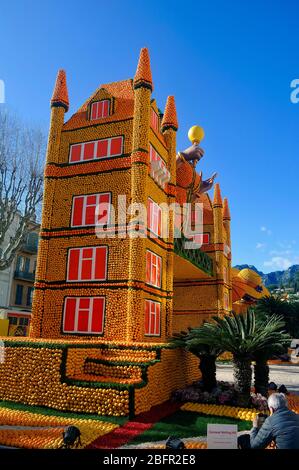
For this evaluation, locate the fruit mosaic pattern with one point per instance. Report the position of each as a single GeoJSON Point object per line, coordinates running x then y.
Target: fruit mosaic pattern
{"type": "Point", "coordinates": [114, 379]}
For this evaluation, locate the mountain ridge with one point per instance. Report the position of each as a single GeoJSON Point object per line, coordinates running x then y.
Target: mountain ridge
{"type": "Point", "coordinates": [283, 278]}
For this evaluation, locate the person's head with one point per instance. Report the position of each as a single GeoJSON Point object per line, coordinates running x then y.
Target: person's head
{"type": "Point", "coordinates": [283, 389]}
{"type": "Point", "coordinates": [277, 401]}
{"type": "Point", "coordinates": [272, 388]}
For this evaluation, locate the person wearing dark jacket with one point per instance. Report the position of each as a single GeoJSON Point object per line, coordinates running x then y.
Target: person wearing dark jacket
{"type": "Point", "coordinates": [282, 426]}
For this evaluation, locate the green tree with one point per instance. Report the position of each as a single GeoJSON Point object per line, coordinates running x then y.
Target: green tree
{"type": "Point", "coordinates": [268, 306]}
{"type": "Point", "coordinates": [207, 354]}
{"type": "Point", "coordinates": [278, 339]}
{"type": "Point", "coordinates": [241, 335]}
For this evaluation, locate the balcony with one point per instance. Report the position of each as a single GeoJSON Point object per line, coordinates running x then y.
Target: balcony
{"type": "Point", "coordinates": [24, 275]}
{"type": "Point", "coordinates": [194, 255]}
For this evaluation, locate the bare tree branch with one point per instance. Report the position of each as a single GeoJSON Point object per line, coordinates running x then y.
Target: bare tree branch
{"type": "Point", "coordinates": [22, 152]}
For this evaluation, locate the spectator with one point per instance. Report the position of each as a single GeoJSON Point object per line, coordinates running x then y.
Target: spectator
{"type": "Point", "coordinates": [272, 388]}
{"type": "Point", "coordinates": [283, 389]}
{"type": "Point", "coordinates": [282, 426]}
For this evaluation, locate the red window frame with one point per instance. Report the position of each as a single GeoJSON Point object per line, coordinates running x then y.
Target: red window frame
{"type": "Point", "coordinates": [154, 120]}
{"type": "Point", "coordinates": [96, 149]}
{"type": "Point", "coordinates": [84, 210]}
{"type": "Point", "coordinates": [155, 156]}
{"type": "Point", "coordinates": [202, 238]}
{"type": "Point", "coordinates": [154, 217]}
{"type": "Point", "coordinates": [84, 315]}
{"type": "Point", "coordinates": [152, 318]}
{"type": "Point", "coordinates": [161, 168]}
{"type": "Point", "coordinates": [153, 269]}
{"type": "Point", "coordinates": [99, 109]}
{"type": "Point", "coordinates": [87, 264]}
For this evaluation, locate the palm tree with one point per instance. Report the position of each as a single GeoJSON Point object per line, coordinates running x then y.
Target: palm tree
{"type": "Point", "coordinates": [279, 339]}
{"type": "Point", "coordinates": [207, 355]}
{"type": "Point", "coordinates": [270, 305]}
{"type": "Point", "coordinates": [243, 337]}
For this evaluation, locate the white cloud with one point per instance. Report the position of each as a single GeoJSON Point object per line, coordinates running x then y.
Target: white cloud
{"type": "Point", "coordinates": [266, 230]}
{"type": "Point", "coordinates": [281, 253]}
{"type": "Point", "coordinates": [280, 263]}
{"type": "Point", "coordinates": [260, 245]}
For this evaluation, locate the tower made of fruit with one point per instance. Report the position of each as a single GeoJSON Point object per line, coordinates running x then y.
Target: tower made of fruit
{"type": "Point", "coordinates": [112, 285]}
{"type": "Point", "coordinates": [115, 153]}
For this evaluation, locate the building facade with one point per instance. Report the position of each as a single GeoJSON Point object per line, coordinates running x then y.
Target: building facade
{"type": "Point", "coordinates": [111, 285]}
{"type": "Point", "coordinates": [124, 287]}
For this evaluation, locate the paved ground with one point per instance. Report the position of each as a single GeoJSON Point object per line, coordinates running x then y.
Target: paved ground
{"type": "Point", "coordinates": [280, 374]}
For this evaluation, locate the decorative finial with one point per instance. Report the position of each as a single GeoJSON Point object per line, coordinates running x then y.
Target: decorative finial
{"type": "Point", "coordinates": [60, 93]}
{"type": "Point", "coordinates": [143, 76]}
{"type": "Point", "coordinates": [170, 120]}
{"type": "Point", "coordinates": [196, 134]}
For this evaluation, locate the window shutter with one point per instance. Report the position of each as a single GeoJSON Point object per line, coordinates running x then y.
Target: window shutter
{"type": "Point", "coordinates": [103, 209]}
{"type": "Point", "coordinates": [159, 221]}
{"type": "Point", "coordinates": [149, 214]}
{"type": "Point", "coordinates": [73, 265]}
{"type": "Point", "coordinates": [206, 238]}
{"type": "Point", "coordinates": [83, 317]}
{"type": "Point", "coordinates": [154, 268]}
{"type": "Point", "coordinates": [106, 108]}
{"type": "Point", "coordinates": [94, 112]}
{"type": "Point", "coordinates": [148, 266]}
{"type": "Point", "coordinates": [18, 265]}
{"type": "Point", "coordinates": [97, 324]}
{"type": "Point", "coordinates": [75, 153]}
{"type": "Point", "coordinates": [100, 263]}
{"type": "Point", "coordinates": [19, 295]}
{"type": "Point", "coordinates": [102, 150]}
{"type": "Point", "coordinates": [89, 152]}
{"type": "Point", "coordinates": [27, 265]}
{"type": "Point", "coordinates": [86, 263]}
{"type": "Point", "coordinates": [90, 214]}
{"type": "Point", "coordinates": [69, 314]}
{"type": "Point", "coordinates": [157, 318]}
{"type": "Point", "coordinates": [147, 317]}
{"type": "Point", "coordinates": [77, 210]}
{"type": "Point", "coordinates": [158, 271]}
{"type": "Point", "coordinates": [116, 144]}
{"type": "Point", "coordinates": [100, 109]}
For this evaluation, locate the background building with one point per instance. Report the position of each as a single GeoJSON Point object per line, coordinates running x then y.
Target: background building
{"type": "Point", "coordinates": [16, 285]}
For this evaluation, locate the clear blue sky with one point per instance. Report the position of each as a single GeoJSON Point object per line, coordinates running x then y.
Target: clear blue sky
{"type": "Point", "coordinates": [229, 65]}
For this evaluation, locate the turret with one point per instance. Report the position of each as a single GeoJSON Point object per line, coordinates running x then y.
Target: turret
{"type": "Point", "coordinates": [59, 106]}
{"type": "Point", "coordinates": [226, 220]}
{"type": "Point", "coordinates": [218, 215]}
{"type": "Point", "coordinates": [169, 128]}
{"type": "Point", "coordinates": [143, 86]}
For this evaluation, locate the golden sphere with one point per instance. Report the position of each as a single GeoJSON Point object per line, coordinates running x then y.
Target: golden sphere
{"type": "Point", "coordinates": [196, 134]}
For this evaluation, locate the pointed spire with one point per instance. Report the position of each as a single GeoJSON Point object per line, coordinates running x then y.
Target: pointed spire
{"type": "Point", "coordinates": [226, 212]}
{"type": "Point", "coordinates": [143, 76]}
{"type": "Point", "coordinates": [60, 94]}
{"type": "Point", "coordinates": [170, 120]}
{"type": "Point", "coordinates": [217, 201]}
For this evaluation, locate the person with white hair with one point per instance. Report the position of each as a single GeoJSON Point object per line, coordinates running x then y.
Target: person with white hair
{"type": "Point", "coordinates": [282, 426]}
